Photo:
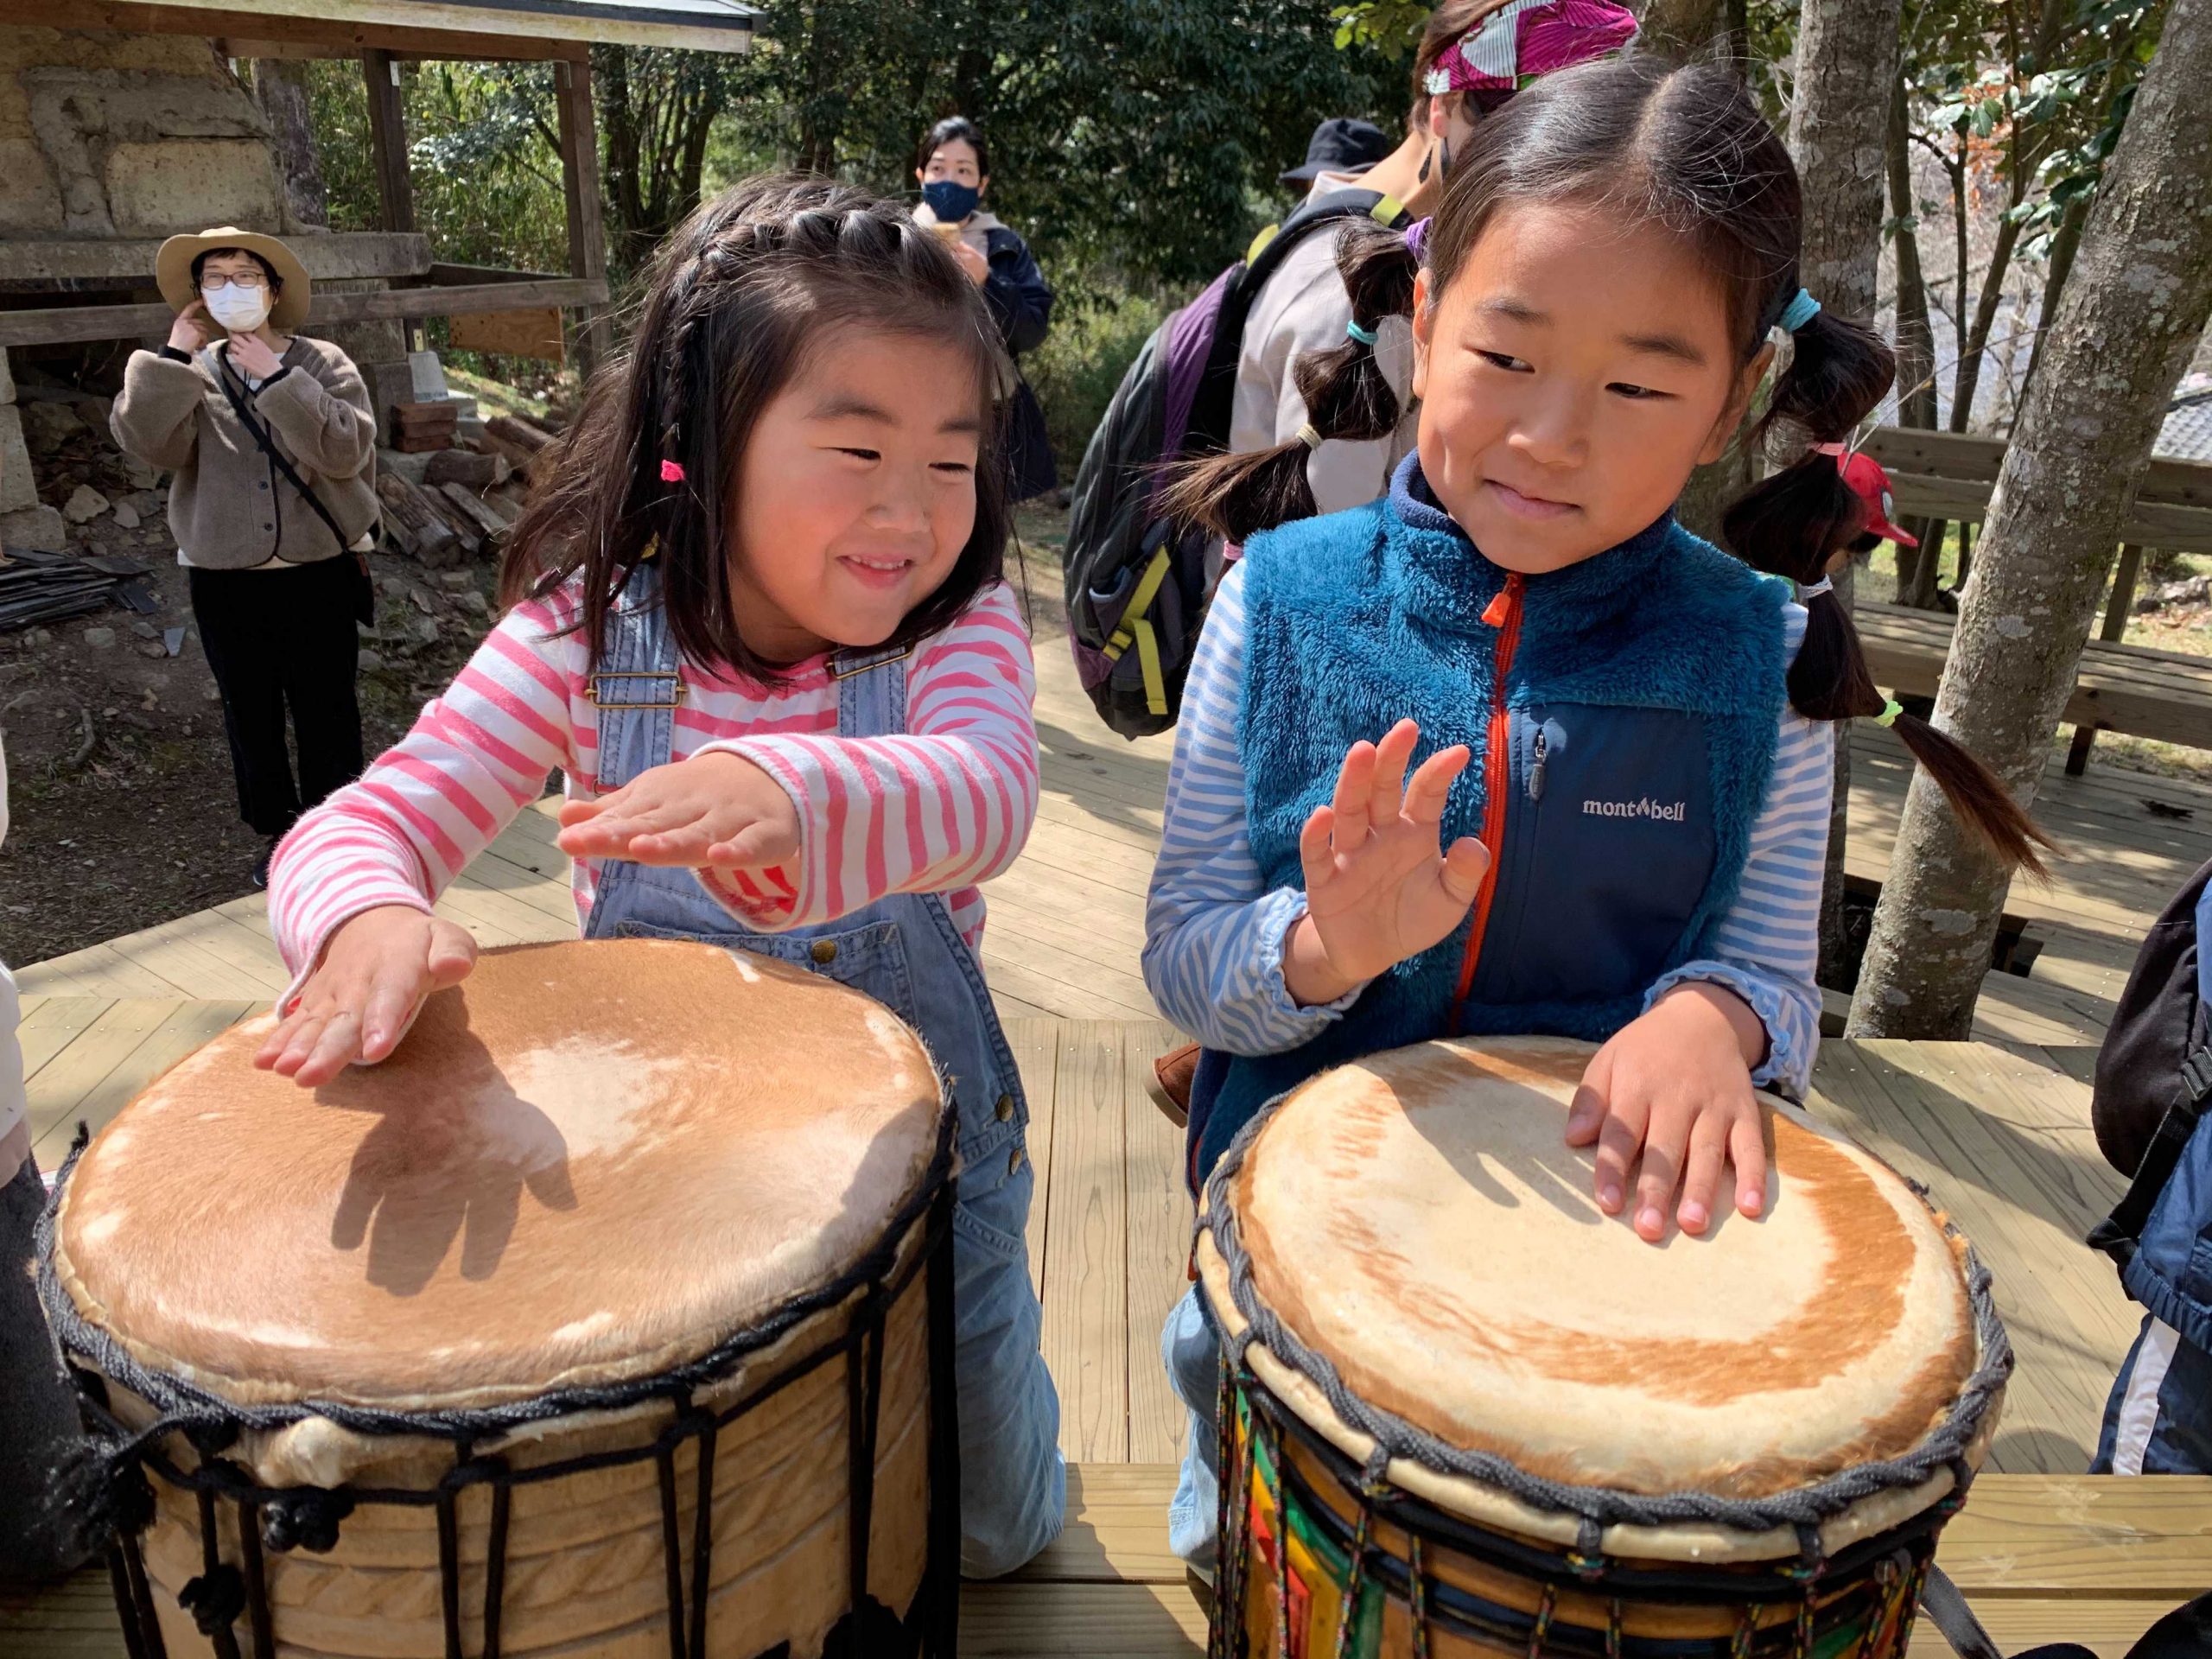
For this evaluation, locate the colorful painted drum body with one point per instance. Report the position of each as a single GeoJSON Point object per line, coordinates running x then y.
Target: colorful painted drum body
{"type": "Point", "coordinates": [1487, 1418]}
{"type": "Point", "coordinates": [610, 1317]}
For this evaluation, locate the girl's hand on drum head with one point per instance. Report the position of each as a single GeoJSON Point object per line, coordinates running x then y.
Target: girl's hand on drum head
{"type": "Point", "coordinates": [1378, 887]}
{"type": "Point", "coordinates": [717, 811]}
{"type": "Point", "coordinates": [1676, 1084]}
{"type": "Point", "coordinates": [375, 970]}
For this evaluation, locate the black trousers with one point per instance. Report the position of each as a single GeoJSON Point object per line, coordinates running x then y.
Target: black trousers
{"type": "Point", "coordinates": [38, 1407]}
{"type": "Point", "coordinates": [281, 641]}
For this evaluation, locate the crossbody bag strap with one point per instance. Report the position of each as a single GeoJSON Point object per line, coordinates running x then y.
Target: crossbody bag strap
{"type": "Point", "coordinates": [268, 448]}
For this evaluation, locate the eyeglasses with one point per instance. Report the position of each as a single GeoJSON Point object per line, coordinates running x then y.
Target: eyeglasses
{"type": "Point", "coordinates": [245, 279]}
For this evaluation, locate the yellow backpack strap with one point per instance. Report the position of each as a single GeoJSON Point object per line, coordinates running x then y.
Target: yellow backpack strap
{"type": "Point", "coordinates": [1386, 211]}
{"type": "Point", "coordinates": [1259, 243]}
{"type": "Point", "coordinates": [1136, 630]}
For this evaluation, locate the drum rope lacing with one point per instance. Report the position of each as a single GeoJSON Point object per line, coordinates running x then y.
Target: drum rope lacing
{"type": "Point", "coordinates": [308, 1518]}
{"type": "Point", "coordinates": [1599, 1507]}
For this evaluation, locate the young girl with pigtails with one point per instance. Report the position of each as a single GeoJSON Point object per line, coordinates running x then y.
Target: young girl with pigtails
{"type": "Point", "coordinates": [756, 618]}
{"type": "Point", "coordinates": [1510, 751]}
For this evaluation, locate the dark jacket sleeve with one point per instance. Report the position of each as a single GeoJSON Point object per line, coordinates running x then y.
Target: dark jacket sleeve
{"type": "Point", "coordinates": [1019, 297]}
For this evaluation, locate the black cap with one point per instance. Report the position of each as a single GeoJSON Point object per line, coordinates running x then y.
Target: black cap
{"type": "Point", "coordinates": [1340, 145]}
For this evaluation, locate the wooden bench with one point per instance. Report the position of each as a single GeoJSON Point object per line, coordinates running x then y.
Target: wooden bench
{"type": "Point", "coordinates": [2040, 1558]}
{"type": "Point", "coordinates": [2165, 694]}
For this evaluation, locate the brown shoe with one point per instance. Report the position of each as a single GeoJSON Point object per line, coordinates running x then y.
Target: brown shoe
{"type": "Point", "coordinates": [1170, 1083]}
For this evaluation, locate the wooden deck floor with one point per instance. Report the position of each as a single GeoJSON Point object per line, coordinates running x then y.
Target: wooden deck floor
{"type": "Point", "coordinates": [1999, 1134]}
{"type": "Point", "coordinates": [1067, 922]}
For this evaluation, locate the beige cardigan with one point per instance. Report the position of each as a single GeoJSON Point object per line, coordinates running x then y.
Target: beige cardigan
{"type": "Point", "coordinates": [230, 506]}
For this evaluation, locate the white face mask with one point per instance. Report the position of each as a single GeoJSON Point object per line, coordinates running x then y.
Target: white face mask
{"type": "Point", "coordinates": [238, 310]}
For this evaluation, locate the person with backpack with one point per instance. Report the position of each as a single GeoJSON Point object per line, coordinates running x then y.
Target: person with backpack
{"type": "Point", "coordinates": [2154, 1084]}
{"type": "Point", "coordinates": [272, 445]}
{"type": "Point", "coordinates": [1222, 372]}
{"type": "Point", "coordinates": [953, 166]}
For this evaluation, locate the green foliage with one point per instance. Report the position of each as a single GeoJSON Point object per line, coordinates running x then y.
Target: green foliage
{"type": "Point", "coordinates": [1074, 372]}
{"type": "Point", "coordinates": [1139, 139]}
{"type": "Point", "coordinates": [1394, 26]}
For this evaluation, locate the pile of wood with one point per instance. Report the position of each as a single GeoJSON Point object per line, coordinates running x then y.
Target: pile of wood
{"type": "Point", "coordinates": [49, 586]}
{"type": "Point", "coordinates": [471, 494]}
{"type": "Point", "coordinates": [420, 428]}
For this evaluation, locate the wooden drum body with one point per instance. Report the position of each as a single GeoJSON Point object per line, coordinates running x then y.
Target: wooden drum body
{"type": "Point", "coordinates": [611, 1318]}
{"type": "Point", "coordinates": [1465, 1413]}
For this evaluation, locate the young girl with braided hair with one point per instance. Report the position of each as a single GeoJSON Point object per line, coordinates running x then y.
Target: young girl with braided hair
{"type": "Point", "coordinates": [756, 618]}
{"type": "Point", "coordinates": [1510, 751]}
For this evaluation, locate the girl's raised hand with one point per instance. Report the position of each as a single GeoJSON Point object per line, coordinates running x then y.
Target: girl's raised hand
{"type": "Point", "coordinates": [375, 970]}
{"type": "Point", "coordinates": [1675, 1084]}
{"type": "Point", "coordinates": [1378, 888]}
{"type": "Point", "coordinates": [714, 811]}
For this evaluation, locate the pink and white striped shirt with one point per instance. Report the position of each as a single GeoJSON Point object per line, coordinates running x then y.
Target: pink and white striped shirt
{"type": "Point", "coordinates": [938, 809]}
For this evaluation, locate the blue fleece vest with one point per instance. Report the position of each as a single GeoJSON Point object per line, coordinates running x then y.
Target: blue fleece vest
{"type": "Point", "coordinates": [1641, 703]}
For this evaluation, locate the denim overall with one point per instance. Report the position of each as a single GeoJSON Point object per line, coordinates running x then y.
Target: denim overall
{"type": "Point", "coordinates": [903, 951]}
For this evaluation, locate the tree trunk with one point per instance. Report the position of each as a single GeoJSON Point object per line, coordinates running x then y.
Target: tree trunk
{"type": "Point", "coordinates": [1976, 339]}
{"type": "Point", "coordinates": [1846, 80]}
{"type": "Point", "coordinates": [280, 85]}
{"type": "Point", "coordinates": [2125, 325]}
{"type": "Point", "coordinates": [1916, 336]}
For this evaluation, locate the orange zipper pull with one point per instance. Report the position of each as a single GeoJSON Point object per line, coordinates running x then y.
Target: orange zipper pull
{"type": "Point", "coordinates": [1501, 606]}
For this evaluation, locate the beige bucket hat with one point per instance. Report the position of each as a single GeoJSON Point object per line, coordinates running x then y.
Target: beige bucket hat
{"type": "Point", "coordinates": [173, 272]}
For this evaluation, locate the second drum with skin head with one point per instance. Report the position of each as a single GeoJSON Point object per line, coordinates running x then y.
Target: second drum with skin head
{"type": "Point", "coordinates": [1488, 1417]}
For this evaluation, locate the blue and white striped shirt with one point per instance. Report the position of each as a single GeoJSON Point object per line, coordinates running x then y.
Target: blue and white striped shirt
{"type": "Point", "coordinates": [1214, 932]}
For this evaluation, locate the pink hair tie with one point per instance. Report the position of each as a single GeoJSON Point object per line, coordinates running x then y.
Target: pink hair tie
{"type": "Point", "coordinates": [672, 471]}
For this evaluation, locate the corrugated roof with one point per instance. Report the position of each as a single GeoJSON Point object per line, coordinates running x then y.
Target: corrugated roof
{"type": "Point", "coordinates": [701, 25]}
{"type": "Point", "coordinates": [2187, 435]}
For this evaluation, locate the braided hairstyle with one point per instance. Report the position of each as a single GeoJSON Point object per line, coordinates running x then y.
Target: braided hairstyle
{"type": "Point", "coordinates": [1686, 148]}
{"type": "Point", "coordinates": [736, 295]}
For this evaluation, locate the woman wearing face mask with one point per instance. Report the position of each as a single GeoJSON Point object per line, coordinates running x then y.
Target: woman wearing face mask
{"type": "Point", "coordinates": [953, 166]}
{"type": "Point", "coordinates": [273, 443]}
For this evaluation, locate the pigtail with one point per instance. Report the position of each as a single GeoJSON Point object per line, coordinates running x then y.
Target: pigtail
{"type": "Point", "coordinates": [1346, 395]}
{"type": "Point", "coordinates": [1796, 521]}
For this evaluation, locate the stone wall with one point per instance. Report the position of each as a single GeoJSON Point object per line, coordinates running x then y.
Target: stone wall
{"type": "Point", "coordinates": [111, 135]}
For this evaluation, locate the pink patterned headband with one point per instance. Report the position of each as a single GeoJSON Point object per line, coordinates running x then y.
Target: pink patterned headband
{"type": "Point", "coordinates": [1523, 39]}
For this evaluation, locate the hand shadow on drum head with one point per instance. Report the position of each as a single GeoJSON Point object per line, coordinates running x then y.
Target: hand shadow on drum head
{"type": "Point", "coordinates": [1565, 1178]}
{"type": "Point", "coordinates": [449, 1159]}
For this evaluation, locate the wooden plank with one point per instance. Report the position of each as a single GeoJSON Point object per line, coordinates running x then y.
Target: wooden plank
{"type": "Point", "coordinates": [1011, 1619]}
{"type": "Point", "coordinates": [2105, 1535]}
{"type": "Point", "coordinates": [57, 325]}
{"type": "Point", "coordinates": [1036, 1045]}
{"type": "Point", "coordinates": [79, 265]}
{"type": "Point", "coordinates": [119, 1062]}
{"type": "Point", "coordinates": [1086, 1339]}
{"type": "Point", "coordinates": [532, 333]}
{"type": "Point", "coordinates": [1160, 1223]}
{"type": "Point", "coordinates": [1117, 1529]}
{"type": "Point", "coordinates": [50, 1024]}
{"type": "Point", "coordinates": [388, 141]}
{"type": "Point", "coordinates": [580, 194]}
{"type": "Point", "coordinates": [2024, 1199]}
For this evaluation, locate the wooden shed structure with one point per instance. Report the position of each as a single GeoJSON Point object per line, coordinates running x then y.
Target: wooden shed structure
{"type": "Point", "coordinates": [58, 285]}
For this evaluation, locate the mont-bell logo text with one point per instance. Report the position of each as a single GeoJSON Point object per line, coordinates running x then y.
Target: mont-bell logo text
{"type": "Point", "coordinates": [1659, 812]}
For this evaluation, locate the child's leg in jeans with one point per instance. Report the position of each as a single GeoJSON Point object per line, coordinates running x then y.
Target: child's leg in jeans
{"type": "Point", "coordinates": [1012, 1482]}
{"type": "Point", "coordinates": [1192, 1355]}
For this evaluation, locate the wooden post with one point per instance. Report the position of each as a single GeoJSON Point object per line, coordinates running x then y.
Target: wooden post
{"type": "Point", "coordinates": [388, 141]}
{"type": "Point", "coordinates": [580, 178]}
{"type": "Point", "coordinates": [2115, 625]}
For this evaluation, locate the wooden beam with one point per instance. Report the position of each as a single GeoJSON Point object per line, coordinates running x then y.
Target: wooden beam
{"type": "Point", "coordinates": [60, 324]}
{"type": "Point", "coordinates": [388, 141]}
{"type": "Point", "coordinates": [336, 37]}
{"type": "Point", "coordinates": [580, 182]}
{"type": "Point", "coordinates": [2114, 629]}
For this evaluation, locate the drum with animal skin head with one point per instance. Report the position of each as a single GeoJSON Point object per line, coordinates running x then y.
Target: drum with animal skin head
{"type": "Point", "coordinates": [609, 1318]}
{"type": "Point", "coordinates": [1465, 1413]}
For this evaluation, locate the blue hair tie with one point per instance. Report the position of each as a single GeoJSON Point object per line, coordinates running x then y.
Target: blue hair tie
{"type": "Point", "coordinates": [1364, 336]}
{"type": "Point", "coordinates": [1799, 312]}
